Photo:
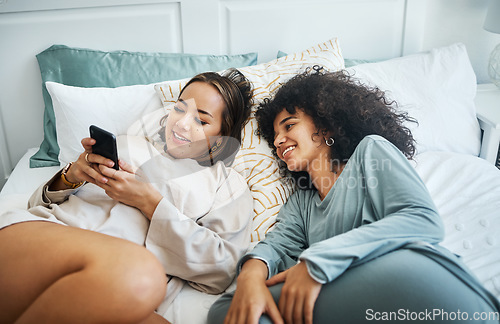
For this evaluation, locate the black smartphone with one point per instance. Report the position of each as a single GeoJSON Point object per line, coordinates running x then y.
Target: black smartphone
{"type": "Point", "coordinates": [105, 144]}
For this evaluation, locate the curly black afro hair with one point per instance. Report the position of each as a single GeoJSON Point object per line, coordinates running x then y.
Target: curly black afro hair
{"type": "Point", "coordinates": [339, 103]}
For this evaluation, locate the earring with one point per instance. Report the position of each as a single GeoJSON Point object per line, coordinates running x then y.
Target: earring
{"type": "Point", "coordinates": [330, 141]}
{"type": "Point", "coordinates": [218, 143]}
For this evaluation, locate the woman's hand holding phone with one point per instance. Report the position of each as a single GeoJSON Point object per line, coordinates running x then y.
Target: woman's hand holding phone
{"type": "Point", "coordinates": [105, 144]}
{"type": "Point", "coordinates": [125, 187]}
{"type": "Point", "coordinates": [100, 149]}
{"type": "Point", "coordinates": [86, 168]}
{"type": "Point", "coordinates": [117, 179]}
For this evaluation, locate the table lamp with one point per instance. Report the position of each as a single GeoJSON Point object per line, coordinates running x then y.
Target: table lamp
{"type": "Point", "coordinates": [492, 24]}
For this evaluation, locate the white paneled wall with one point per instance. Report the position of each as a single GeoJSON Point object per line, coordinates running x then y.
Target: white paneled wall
{"type": "Point", "coordinates": [287, 25]}
{"type": "Point", "coordinates": [449, 21]}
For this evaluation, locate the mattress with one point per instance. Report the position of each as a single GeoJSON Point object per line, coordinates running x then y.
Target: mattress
{"type": "Point", "coordinates": [466, 191]}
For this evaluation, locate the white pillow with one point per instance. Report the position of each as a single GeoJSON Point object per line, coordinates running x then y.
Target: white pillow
{"type": "Point", "coordinates": [255, 160]}
{"type": "Point", "coordinates": [113, 109]}
{"type": "Point", "coordinates": [437, 88]}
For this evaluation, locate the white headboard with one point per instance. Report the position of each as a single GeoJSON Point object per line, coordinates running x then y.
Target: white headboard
{"type": "Point", "coordinates": [367, 29]}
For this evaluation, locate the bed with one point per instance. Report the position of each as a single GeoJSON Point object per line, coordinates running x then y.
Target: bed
{"type": "Point", "coordinates": [62, 80]}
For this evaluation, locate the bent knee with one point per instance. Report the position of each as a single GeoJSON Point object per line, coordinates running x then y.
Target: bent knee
{"type": "Point", "coordinates": [149, 281]}
{"type": "Point", "coordinates": [134, 276]}
{"type": "Point", "coordinates": [145, 279]}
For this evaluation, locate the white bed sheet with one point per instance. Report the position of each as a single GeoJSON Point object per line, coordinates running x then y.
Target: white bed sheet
{"type": "Point", "coordinates": [466, 191]}
{"type": "Point", "coordinates": [23, 181]}
{"type": "Point", "coordinates": [465, 188]}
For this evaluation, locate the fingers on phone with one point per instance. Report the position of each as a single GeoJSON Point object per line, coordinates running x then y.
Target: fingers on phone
{"type": "Point", "coordinates": [87, 142]}
{"type": "Point", "coordinates": [96, 175]}
{"type": "Point", "coordinates": [109, 172]}
{"type": "Point", "coordinates": [125, 166]}
{"type": "Point", "coordinates": [99, 159]}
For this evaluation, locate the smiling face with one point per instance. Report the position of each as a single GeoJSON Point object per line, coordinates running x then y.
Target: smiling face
{"type": "Point", "coordinates": [194, 123]}
{"type": "Point", "coordinates": [297, 141]}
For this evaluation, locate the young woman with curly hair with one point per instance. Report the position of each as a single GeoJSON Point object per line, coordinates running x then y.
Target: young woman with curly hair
{"type": "Point", "coordinates": [358, 241]}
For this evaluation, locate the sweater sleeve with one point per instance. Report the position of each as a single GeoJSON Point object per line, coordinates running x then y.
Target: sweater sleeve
{"type": "Point", "coordinates": [204, 251]}
{"type": "Point", "coordinates": [43, 197]}
{"type": "Point", "coordinates": [282, 246]}
{"type": "Point", "coordinates": [397, 210]}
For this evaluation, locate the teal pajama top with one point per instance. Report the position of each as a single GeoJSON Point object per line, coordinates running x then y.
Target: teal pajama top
{"type": "Point", "coordinates": [378, 204]}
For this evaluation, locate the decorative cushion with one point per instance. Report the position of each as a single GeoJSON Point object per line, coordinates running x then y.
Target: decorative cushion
{"type": "Point", "coordinates": [437, 88]}
{"type": "Point", "coordinates": [255, 160]}
{"type": "Point", "coordinates": [93, 68]}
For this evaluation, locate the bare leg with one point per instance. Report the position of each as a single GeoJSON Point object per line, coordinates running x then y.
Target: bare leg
{"type": "Point", "coordinates": [57, 274]}
{"type": "Point", "coordinates": [155, 319]}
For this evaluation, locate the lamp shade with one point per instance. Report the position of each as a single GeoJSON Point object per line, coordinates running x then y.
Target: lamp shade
{"type": "Point", "coordinates": [492, 21]}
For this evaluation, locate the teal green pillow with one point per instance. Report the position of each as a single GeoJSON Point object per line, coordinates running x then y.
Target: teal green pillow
{"type": "Point", "coordinates": [352, 62]}
{"type": "Point", "coordinates": [84, 67]}
{"type": "Point", "coordinates": [281, 54]}
{"type": "Point", "coordinates": [347, 62]}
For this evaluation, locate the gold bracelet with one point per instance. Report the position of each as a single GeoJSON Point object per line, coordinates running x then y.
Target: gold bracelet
{"type": "Point", "coordinates": [69, 184]}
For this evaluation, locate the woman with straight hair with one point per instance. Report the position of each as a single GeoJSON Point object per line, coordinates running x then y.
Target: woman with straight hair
{"type": "Point", "coordinates": [99, 245]}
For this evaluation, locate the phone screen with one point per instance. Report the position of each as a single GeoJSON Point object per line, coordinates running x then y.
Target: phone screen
{"type": "Point", "coordinates": [105, 144]}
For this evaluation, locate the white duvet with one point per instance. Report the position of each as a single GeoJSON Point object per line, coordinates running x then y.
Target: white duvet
{"type": "Point", "coordinates": [466, 190]}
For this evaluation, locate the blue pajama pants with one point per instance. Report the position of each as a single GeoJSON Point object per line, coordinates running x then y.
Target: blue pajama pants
{"type": "Point", "coordinates": [402, 286]}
